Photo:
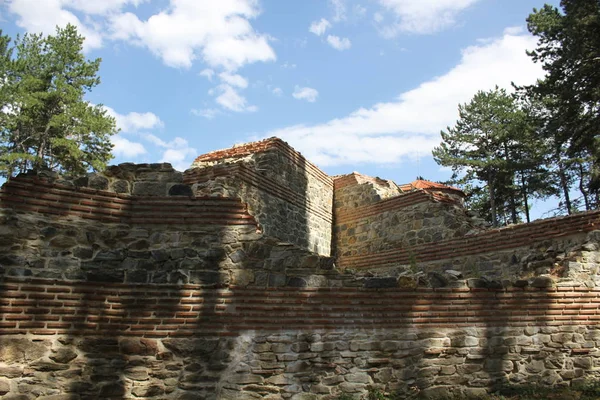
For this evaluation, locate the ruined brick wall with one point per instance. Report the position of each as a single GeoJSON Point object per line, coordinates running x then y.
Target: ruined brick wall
{"type": "Point", "coordinates": [185, 341]}
{"type": "Point", "coordinates": [370, 217]}
{"type": "Point", "coordinates": [565, 247]}
{"type": "Point", "coordinates": [105, 293]}
{"type": "Point", "coordinates": [289, 196]}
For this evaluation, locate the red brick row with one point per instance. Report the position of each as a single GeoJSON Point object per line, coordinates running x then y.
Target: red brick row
{"type": "Point", "coordinates": [347, 215]}
{"type": "Point", "coordinates": [251, 177]}
{"type": "Point", "coordinates": [512, 237]}
{"type": "Point", "coordinates": [40, 196]}
{"type": "Point", "coordinates": [269, 145]}
{"type": "Point", "coordinates": [164, 311]}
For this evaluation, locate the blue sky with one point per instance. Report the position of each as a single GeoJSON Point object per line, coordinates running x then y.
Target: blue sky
{"type": "Point", "coordinates": [362, 85]}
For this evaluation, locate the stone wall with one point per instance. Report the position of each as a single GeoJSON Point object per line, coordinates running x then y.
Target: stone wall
{"type": "Point", "coordinates": [564, 247]}
{"type": "Point", "coordinates": [143, 282]}
{"type": "Point", "coordinates": [59, 231]}
{"type": "Point", "coordinates": [78, 341]}
{"type": "Point", "coordinates": [371, 216]}
{"type": "Point", "coordinates": [290, 197]}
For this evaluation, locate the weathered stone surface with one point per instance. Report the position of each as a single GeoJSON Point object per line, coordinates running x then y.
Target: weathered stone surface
{"type": "Point", "coordinates": [4, 386]}
{"type": "Point", "coordinates": [63, 355]}
{"type": "Point", "coordinates": [21, 350]}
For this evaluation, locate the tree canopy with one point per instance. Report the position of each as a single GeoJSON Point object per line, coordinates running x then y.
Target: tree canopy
{"type": "Point", "coordinates": [545, 139]}
{"type": "Point", "coordinates": [45, 122]}
{"type": "Point", "coordinates": [492, 143]}
{"type": "Point", "coordinates": [569, 50]}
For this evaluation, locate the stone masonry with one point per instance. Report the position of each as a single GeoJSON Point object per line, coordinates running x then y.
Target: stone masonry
{"type": "Point", "coordinates": [254, 275]}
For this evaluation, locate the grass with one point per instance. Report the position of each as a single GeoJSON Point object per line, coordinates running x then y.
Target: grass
{"type": "Point", "coordinates": [589, 391]}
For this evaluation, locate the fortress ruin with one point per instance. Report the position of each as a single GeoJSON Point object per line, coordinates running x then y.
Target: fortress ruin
{"type": "Point", "coordinates": [255, 275]}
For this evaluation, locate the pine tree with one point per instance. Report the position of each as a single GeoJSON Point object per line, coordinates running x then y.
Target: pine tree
{"type": "Point", "coordinates": [45, 121]}
{"type": "Point", "coordinates": [569, 50]}
{"type": "Point", "coordinates": [493, 142]}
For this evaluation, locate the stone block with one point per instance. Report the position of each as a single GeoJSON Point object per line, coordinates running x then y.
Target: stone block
{"type": "Point", "coordinates": [149, 188]}
{"type": "Point", "coordinates": [13, 350]}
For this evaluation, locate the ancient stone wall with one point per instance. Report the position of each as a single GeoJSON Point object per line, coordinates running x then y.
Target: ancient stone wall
{"type": "Point", "coordinates": [186, 341]}
{"type": "Point", "coordinates": [371, 217]}
{"type": "Point", "coordinates": [564, 247]}
{"type": "Point", "coordinates": [290, 197]}
{"type": "Point", "coordinates": [147, 283]}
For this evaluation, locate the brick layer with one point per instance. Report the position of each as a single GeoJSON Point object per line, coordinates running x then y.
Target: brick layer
{"type": "Point", "coordinates": [253, 178]}
{"type": "Point", "coordinates": [494, 240]}
{"type": "Point", "coordinates": [46, 307]}
{"type": "Point", "coordinates": [268, 145]}
{"type": "Point", "coordinates": [39, 196]}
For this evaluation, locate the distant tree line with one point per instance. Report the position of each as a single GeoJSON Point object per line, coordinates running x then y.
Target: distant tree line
{"type": "Point", "coordinates": [543, 140]}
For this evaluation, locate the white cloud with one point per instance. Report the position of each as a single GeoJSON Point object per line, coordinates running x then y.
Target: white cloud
{"type": "Point", "coordinates": [208, 113]}
{"type": "Point", "coordinates": [234, 80]}
{"type": "Point", "coordinates": [43, 17]}
{"type": "Point", "coordinates": [219, 33]}
{"type": "Point", "coordinates": [232, 100]}
{"type": "Point", "coordinates": [101, 7]}
{"type": "Point", "coordinates": [305, 93]}
{"type": "Point", "coordinates": [339, 9]}
{"type": "Point", "coordinates": [319, 27]}
{"type": "Point", "coordinates": [408, 126]}
{"type": "Point", "coordinates": [277, 91]}
{"type": "Point", "coordinates": [180, 159]}
{"type": "Point", "coordinates": [421, 16]}
{"type": "Point", "coordinates": [287, 65]}
{"type": "Point", "coordinates": [135, 121]}
{"type": "Point", "coordinates": [177, 151]}
{"type": "Point", "coordinates": [126, 148]}
{"type": "Point", "coordinates": [359, 10]}
{"type": "Point", "coordinates": [207, 73]}
{"type": "Point", "coordinates": [339, 43]}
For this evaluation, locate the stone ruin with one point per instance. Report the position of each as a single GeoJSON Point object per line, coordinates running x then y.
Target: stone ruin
{"type": "Point", "coordinates": [255, 275]}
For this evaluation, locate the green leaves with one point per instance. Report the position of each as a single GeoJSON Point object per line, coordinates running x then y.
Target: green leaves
{"type": "Point", "coordinates": [493, 143]}
{"type": "Point", "coordinates": [44, 120]}
{"type": "Point", "coordinates": [569, 51]}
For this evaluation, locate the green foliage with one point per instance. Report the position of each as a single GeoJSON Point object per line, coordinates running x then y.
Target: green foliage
{"type": "Point", "coordinates": [493, 143]}
{"type": "Point", "coordinates": [569, 50]}
{"type": "Point", "coordinates": [44, 120]}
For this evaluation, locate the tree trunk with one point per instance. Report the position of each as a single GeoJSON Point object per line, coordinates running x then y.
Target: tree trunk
{"type": "Point", "coordinates": [582, 189]}
{"type": "Point", "coordinates": [564, 184]}
{"type": "Point", "coordinates": [492, 192]}
{"type": "Point", "coordinates": [524, 194]}
{"type": "Point", "coordinates": [513, 208]}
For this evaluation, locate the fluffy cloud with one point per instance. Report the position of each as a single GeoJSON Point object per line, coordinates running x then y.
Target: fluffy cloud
{"type": "Point", "coordinates": [420, 16]}
{"type": "Point", "coordinates": [131, 123]}
{"type": "Point", "coordinates": [177, 151]}
{"type": "Point", "coordinates": [319, 27]}
{"type": "Point", "coordinates": [100, 7]}
{"type": "Point", "coordinates": [339, 9]}
{"type": "Point", "coordinates": [219, 33]}
{"type": "Point", "coordinates": [230, 99]}
{"type": "Point", "coordinates": [305, 93]}
{"type": "Point", "coordinates": [234, 80]}
{"type": "Point", "coordinates": [207, 73]}
{"type": "Point", "coordinates": [134, 121]}
{"type": "Point", "coordinates": [208, 113]}
{"type": "Point", "coordinates": [408, 126]}
{"type": "Point", "coordinates": [339, 43]}
{"type": "Point", "coordinates": [123, 147]}
{"type": "Point", "coordinates": [43, 17]}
